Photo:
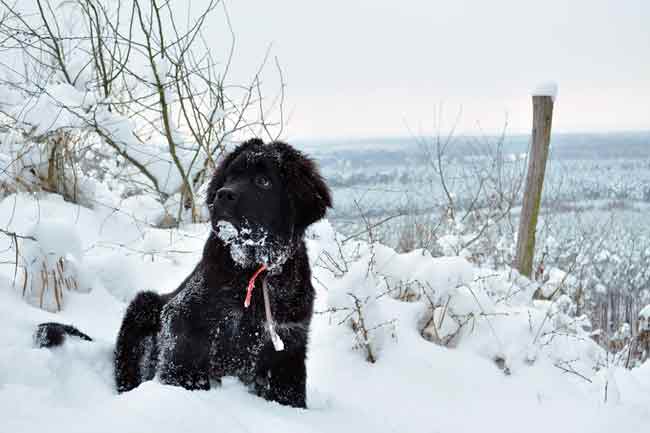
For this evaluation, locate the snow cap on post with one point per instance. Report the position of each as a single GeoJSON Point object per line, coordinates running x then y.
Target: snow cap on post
{"type": "Point", "coordinates": [546, 88]}
{"type": "Point", "coordinates": [644, 319]}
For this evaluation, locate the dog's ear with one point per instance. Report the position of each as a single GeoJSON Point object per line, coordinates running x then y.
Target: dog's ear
{"type": "Point", "coordinates": [219, 176]}
{"type": "Point", "coordinates": [309, 193]}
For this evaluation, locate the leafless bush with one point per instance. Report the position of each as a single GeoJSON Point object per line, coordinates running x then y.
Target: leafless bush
{"type": "Point", "coordinates": [474, 185]}
{"type": "Point", "coordinates": [126, 80]}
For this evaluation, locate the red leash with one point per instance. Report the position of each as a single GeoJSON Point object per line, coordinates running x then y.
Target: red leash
{"type": "Point", "coordinates": [251, 285]}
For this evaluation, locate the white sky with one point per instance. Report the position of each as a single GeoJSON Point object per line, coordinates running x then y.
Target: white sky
{"type": "Point", "coordinates": [380, 68]}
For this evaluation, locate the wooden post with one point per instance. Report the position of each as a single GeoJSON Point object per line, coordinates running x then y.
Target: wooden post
{"type": "Point", "coordinates": [542, 118]}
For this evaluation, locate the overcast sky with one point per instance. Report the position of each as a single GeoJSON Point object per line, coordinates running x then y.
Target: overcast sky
{"type": "Point", "coordinates": [380, 68]}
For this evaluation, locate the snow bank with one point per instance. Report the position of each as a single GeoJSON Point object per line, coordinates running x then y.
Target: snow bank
{"type": "Point", "coordinates": [413, 385]}
{"type": "Point", "coordinates": [450, 301]}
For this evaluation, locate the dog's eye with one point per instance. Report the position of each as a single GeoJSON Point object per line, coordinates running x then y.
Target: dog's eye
{"type": "Point", "coordinates": [263, 182]}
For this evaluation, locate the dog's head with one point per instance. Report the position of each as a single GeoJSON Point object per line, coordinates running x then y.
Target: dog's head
{"type": "Point", "coordinates": [262, 198]}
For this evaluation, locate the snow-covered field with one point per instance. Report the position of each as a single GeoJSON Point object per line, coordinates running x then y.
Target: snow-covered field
{"type": "Point", "coordinates": [558, 379]}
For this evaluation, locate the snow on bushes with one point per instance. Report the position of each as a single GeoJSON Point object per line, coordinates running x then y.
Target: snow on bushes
{"type": "Point", "coordinates": [145, 208]}
{"type": "Point", "coordinates": [490, 313]}
{"type": "Point", "coordinates": [375, 296]}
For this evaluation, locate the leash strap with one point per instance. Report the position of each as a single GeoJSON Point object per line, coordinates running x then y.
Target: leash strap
{"type": "Point", "coordinates": [278, 344]}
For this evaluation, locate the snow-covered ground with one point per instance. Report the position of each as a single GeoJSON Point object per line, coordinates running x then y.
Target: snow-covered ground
{"type": "Point", "coordinates": [558, 379]}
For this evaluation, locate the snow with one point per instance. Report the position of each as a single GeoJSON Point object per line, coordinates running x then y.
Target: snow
{"type": "Point", "coordinates": [55, 238]}
{"type": "Point", "coordinates": [52, 258]}
{"type": "Point", "coordinates": [645, 312]}
{"type": "Point", "coordinates": [414, 385]}
{"type": "Point", "coordinates": [144, 207]}
{"type": "Point", "coordinates": [47, 111]}
{"type": "Point", "coordinates": [546, 88]}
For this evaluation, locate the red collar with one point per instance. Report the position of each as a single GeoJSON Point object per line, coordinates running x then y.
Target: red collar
{"type": "Point", "coordinates": [251, 285]}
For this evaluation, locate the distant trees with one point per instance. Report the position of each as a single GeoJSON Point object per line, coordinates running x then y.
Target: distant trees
{"type": "Point", "coordinates": [607, 269]}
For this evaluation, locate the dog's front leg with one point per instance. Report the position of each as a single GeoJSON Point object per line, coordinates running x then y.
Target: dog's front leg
{"type": "Point", "coordinates": [288, 378]}
{"type": "Point", "coordinates": [184, 352]}
{"type": "Point", "coordinates": [185, 366]}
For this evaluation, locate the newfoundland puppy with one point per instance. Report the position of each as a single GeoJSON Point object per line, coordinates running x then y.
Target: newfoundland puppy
{"type": "Point", "coordinates": [246, 307]}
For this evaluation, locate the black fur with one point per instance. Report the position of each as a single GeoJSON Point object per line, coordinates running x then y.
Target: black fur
{"type": "Point", "coordinates": [54, 334]}
{"type": "Point", "coordinates": [201, 332]}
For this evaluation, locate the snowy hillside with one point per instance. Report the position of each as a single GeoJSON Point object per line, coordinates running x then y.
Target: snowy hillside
{"type": "Point", "coordinates": [502, 363]}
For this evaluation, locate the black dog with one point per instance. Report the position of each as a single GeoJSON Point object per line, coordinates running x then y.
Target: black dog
{"type": "Point", "coordinates": [262, 198]}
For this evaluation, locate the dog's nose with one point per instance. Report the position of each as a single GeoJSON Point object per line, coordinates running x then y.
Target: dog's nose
{"type": "Point", "coordinates": [227, 196]}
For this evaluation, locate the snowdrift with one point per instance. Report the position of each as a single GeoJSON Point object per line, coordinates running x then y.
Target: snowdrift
{"type": "Point", "coordinates": [400, 342]}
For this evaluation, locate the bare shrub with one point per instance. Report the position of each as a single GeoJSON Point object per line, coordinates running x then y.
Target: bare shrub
{"type": "Point", "coordinates": [127, 82]}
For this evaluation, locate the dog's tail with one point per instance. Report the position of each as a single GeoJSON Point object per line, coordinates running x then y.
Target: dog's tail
{"type": "Point", "coordinates": [53, 334]}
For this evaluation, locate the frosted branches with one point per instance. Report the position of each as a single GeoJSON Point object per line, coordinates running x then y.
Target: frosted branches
{"type": "Point", "coordinates": [144, 86]}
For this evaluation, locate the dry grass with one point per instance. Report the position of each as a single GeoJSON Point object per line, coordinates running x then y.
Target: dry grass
{"type": "Point", "coordinates": [49, 279]}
